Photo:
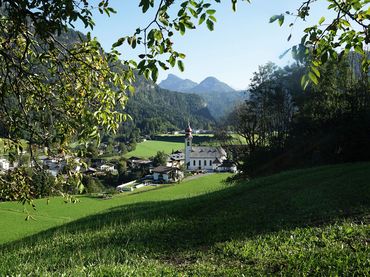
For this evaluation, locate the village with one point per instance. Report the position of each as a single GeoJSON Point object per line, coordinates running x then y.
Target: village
{"type": "Point", "coordinates": [141, 172]}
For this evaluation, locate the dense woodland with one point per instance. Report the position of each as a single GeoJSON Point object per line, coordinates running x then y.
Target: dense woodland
{"type": "Point", "coordinates": [285, 126]}
{"type": "Point", "coordinates": [155, 110]}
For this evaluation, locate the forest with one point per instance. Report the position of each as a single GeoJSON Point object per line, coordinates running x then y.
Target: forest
{"type": "Point", "coordinates": [288, 126]}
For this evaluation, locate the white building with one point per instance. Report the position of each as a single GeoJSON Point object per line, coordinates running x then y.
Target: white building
{"type": "Point", "coordinates": [202, 157]}
{"type": "Point", "coordinates": [176, 159]}
{"type": "Point", "coordinates": [4, 164]}
{"type": "Point", "coordinates": [167, 174]}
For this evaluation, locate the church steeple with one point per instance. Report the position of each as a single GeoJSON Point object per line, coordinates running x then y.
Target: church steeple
{"type": "Point", "coordinates": [188, 144]}
{"type": "Point", "coordinates": [188, 132]}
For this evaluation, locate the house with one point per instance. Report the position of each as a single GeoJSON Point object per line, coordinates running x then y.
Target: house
{"type": "Point", "coordinates": [176, 159]}
{"type": "Point", "coordinates": [177, 155]}
{"type": "Point", "coordinates": [202, 157]}
{"type": "Point", "coordinates": [167, 174]}
{"type": "Point", "coordinates": [4, 164]}
{"type": "Point", "coordinates": [138, 163]}
{"type": "Point", "coordinates": [227, 166]}
{"type": "Point", "coordinates": [108, 168]}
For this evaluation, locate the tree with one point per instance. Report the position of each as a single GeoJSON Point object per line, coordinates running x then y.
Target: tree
{"type": "Point", "coordinates": [160, 158]}
{"type": "Point", "coordinates": [286, 127]}
{"type": "Point", "coordinates": [331, 39]}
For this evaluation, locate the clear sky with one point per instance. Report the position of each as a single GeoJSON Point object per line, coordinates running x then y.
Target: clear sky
{"type": "Point", "coordinates": [240, 42]}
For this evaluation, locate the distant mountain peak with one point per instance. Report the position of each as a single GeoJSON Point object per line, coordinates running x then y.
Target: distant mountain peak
{"type": "Point", "coordinates": [220, 97]}
{"type": "Point", "coordinates": [175, 83]}
{"type": "Point", "coordinates": [212, 84]}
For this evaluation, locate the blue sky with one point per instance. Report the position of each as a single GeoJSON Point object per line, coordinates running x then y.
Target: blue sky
{"type": "Point", "coordinates": [240, 42]}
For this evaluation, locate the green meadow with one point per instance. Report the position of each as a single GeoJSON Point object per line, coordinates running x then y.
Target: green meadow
{"type": "Point", "coordinates": [150, 148]}
{"type": "Point", "coordinates": [312, 222]}
{"type": "Point", "coordinates": [56, 212]}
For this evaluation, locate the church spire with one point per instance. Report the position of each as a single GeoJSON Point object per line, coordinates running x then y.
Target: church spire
{"type": "Point", "coordinates": [188, 131]}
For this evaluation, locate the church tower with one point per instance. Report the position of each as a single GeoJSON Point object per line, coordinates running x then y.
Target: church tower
{"type": "Point", "coordinates": [188, 146]}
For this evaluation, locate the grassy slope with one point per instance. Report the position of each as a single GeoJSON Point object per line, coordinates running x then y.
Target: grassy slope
{"type": "Point", "coordinates": [308, 222]}
{"type": "Point", "coordinates": [56, 212]}
{"type": "Point", "coordinates": [149, 148]}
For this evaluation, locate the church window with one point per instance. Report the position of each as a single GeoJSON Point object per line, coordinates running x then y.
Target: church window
{"type": "Point", "coordinates": [194, 163]}
{"type": "Point", "coordinates": [200, 162]}
{"type": "Point", "coordinates": [188, 143]}
{"type": "Point", "coordinates": [205, 162]}
{"type": "Point", "coordinates": [210, 162]}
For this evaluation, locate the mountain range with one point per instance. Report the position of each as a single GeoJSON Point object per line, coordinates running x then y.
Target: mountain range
{"type": "Point", "coordinates": [219, 96]}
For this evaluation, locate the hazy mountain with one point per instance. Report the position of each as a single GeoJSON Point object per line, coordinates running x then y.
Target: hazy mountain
{"type": "Point", "coordinates": [211, 84]}
{"type": "Point", "coordinates": [175, 83]}
{"type": "Point", "coordinates": [219, 96]}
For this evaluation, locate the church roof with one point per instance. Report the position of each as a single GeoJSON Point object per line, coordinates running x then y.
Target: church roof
{"type": "Point", "coordinates": [207, 152]}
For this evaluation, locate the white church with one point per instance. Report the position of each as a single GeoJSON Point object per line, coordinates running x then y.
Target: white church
{"type": "Point", "coordinates": [205, 157]}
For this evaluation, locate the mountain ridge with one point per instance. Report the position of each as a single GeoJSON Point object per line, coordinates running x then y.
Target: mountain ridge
{"type": "Point", "coordinates": [219, 96]}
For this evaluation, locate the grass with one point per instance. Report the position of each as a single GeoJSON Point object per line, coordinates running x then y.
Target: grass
{"type": "Point", "coordinates": [56, 212]}
{"type": "Point", "coordinates": [305, 222]}
{"type": "Point", "coordinates": [150, 148]}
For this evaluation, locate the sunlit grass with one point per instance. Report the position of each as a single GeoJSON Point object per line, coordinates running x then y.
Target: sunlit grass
{"type": "Point", "coordinates": [150, 148]}
{"type": "Point", "coordinates": [312, 222]}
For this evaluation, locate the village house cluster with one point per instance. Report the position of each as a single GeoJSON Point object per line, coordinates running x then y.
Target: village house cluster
{"type": "Point", "coordinates": [192, 159]}
{"type": "Point", "coordinates": [189, 160]}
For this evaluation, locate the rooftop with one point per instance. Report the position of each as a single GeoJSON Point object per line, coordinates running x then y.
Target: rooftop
{"type": "Point", "coordinates": [207, 152]}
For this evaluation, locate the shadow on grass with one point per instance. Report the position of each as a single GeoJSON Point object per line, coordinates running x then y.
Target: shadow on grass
{"type": "Point", "coordinates": [280, 202]}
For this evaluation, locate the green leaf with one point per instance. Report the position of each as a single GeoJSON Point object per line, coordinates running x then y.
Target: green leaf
{"type": "Point", "coordinates": [322, 19]}
{"type": "Point", "coordinates": [194, 13]}
{"type": "Point", "coordinates": [274, 18]}
{"type": "Point", "coordinates": [316, 71]}
{"type": "Point", "coordinates": [155, 74]}
{"type": "Point", "coordinates": [210, 25]}
{"type": "Point", "coordinates": [180, 64]}
{"type": "Point", "coordinates": [182, 28]}
{"type": "Point", "coordinates": [313, 77]}
{"type": "Point", "coordinates": [119, 42]}
{"type": "Point", "coordinates": [281, 20]}
{"type": "Point", "coordinates": [202, 18]}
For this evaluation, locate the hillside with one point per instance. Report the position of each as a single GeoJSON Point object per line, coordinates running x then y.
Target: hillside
{"type": "Point", "coordinates": [155, 110]}
{"type": "Point", "coordinates": [305, 222]}
{"type": "Point", "coordinates": [219, 96]}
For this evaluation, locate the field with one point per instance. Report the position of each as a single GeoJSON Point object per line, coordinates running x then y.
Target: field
{"type": "Point", "coordinates": [55, 212]}
{"type": "Point", "coordinates": [149, 148]}
{"type": "Point", "coordinates": [305, 222]}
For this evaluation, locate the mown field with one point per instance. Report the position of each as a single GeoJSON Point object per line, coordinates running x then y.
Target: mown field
{"type": "Point", "coordinates": [307, 222]}
{"type": "Point", "coordinates": [56, 212]}
{"type": "Point", "coordinates": [150, 148]}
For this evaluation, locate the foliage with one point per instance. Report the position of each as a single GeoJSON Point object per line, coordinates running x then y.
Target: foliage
{"type": "Point", "coordinates": [331, 39]}
{"type": "Point", "coordinates": [287, 127]}
{"type": "Point", "coordinates": [154, 110]}
{"type": "Point", "coordinates": [307, 222]}
{"type": "Point", "coordinates": [91, 184]}
{"type": "Point", "coordinates": [160, 158]}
